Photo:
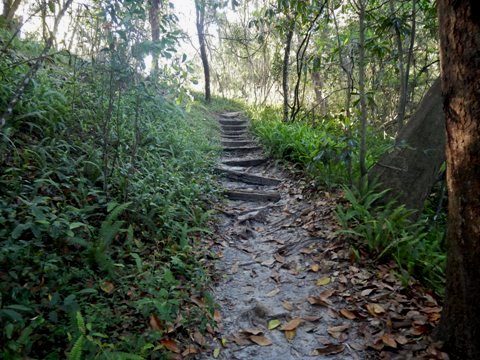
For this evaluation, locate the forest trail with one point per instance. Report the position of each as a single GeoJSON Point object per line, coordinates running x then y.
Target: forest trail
{"type": "Point", "coordinates": [288, 286]}
{"type": "Point", "coordinates": [273, 256]}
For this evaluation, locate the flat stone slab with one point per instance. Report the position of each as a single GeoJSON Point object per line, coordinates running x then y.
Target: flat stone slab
{"type": "Point", "coordinates": [235, 138]}
{"type": "Point", "coordinates": [231, 115]}
{"type": "Point", "coordinates": [232, 122]}
{"type": "Point", "coordinates": [245, 162]}
{"type": "Point", "coordinates": [237, 143]}
{"type": "Point", "coordinates": [252, 195]}
{"type": "Point", "coordinates": [241, 149]}
{"type": "Point", "coordinates": [234, 127]}
{"type": "Point", "coordinates": [235, 133]}
{"type": "Point", "coordinates": [247, 178]}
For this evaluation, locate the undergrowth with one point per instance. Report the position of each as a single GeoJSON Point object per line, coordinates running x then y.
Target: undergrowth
{"type": "Point", "coordinates": [326, 150]}
{"type": "Point", "coordinates": [103, 190]}
{"type": "Point", "coordinates": [390, 231]}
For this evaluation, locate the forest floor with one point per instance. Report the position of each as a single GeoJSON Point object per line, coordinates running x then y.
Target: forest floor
{"type": "Point", "coordinates": [288, 286]}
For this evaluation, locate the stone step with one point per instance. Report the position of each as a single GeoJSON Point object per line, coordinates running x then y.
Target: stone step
{"type": "Point", "coordinates": [232, 122]}
{"type": "Point", "coordinates": [234, 138]}
{"type": "Point", "coordinates": [234, 127]}
{"type": "Point", "coordinates": [252, 195]}
{"type": "Point", "coordinates": [234, 133]}
{"type": "Point", "coordinates": [245, 162]}
{"type": "Point", "coordinates": [241, 149]}
{"type": "Point", "coordinates": [247, 178]}
{"type": "Point", "coordinates": [231, 115]}
{"type": "Point", "coordinates": [233, 143]}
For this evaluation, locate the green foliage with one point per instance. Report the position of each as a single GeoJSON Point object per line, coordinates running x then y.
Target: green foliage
{"type": "Point", "coordinates": [387, 231]}
{"type": "Point", "coordinates": [103, 183]}
{"type": "Point", "coordinates": [326, 148]}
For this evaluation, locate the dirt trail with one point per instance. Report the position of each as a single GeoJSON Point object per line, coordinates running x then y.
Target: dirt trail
{"type": "Point", "coordinates": [266, 256]}
{"type": "Point", "coordinates": [288, 289]}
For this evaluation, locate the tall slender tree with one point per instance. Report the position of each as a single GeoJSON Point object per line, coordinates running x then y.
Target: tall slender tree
{"type": "Point", "coordinates": [460, 54]}
{"type": "Point", "coordinates": [200, 12]}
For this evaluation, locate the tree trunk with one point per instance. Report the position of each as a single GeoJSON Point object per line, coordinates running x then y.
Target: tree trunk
{"type": "Point", "coordinates": [286, 56]}
{"type": "Point", "coordinates": [412, 168]}
{"type": "Point", "coordinates": [10, 7]}
{"type": "Point", "coordinates": [200, 22]}
{"type": "Point", "coordinates": [402, 102]}
{"type": "Point", "coordinates": [318, 87]}
{"type": "Point", "coordinates": [362, 93]}
{"type": "Point", "coordinates": [153, 18]}
{"type": "Point", "coordinates": [459, 57]}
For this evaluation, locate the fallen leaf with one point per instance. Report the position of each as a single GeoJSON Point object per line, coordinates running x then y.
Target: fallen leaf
{"type": "Point", "coordinates": [199, 338]}
{"type": "Point", "coordinates": [190, 350]}
{"type": "Point", "coordinates": [338, 329]}
{"type": "Point", "coordinates": [311, 318]}
{"type": "Point", "coordinates": [273, 292]}
{"type": "Point", "coordinates": [292, 324]}
{"type": "Point", "coordinates": [329, 349]}
{"type": "Point", "coordinates": [375, 309]}
{"type": "Point", "coordinates": [366, 292]}
{"type": "Point", "coordinates": [107, 287]}
{"type": "Point", "coordinates": [287, 306]}
{"type": "Point", "coordinates": [280, 258]}
{"type": "Point", "coordinates": [272, 324]}
{"type": "Point", "coordinates": [268, 262]}
{"type": "Point", "coordinates": [171, 345]}
{"type": "Point", "coordinates": [217, 316]}
{"type": "Point", "coordinates": [314, 300]}
{"type": "Point", "coordinates": [315, 267]}
{"type": "Point", "coordinates": [290, 334]}
{"type": "Point", "coordinates": [388, 340]}
{"type": "Point", "coordinates": [260, 340]}
{"type": "Point", "coordinates": [224, 342]}
{"type": "Point", "coordinates": [240, 340]}
{"type": "Point", "coordinates": [348, 314]}
{"type": "Point", "coordinates": [323, 281]}
{"type": "Point", "coordinates": [155, 322]}
{"type": "Point", "coordinates": [252, 331]}
{"type": "Point", "coordinates": [216, 353]}
{"type": "Point", "coordinates": [234, 268]}
{"type": "Point", "coordinates": [402, 340]}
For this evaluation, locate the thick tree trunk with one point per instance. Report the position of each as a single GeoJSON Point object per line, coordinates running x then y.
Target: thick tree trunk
{"type": "Point", "coordinates": [286, 56]}
{"type": "Point", "coordinates": [460, 66]}
{"type": "Point", "coordinates": [200, 22]}
{"type": "Point", "coordinates": [412, 168]}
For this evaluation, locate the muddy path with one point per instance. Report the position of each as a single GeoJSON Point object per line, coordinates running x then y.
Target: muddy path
{"type": "Point", "coordinates": [288, 288]}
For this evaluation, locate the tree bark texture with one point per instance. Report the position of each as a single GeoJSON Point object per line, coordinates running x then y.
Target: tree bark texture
{"type": "Point", "coordinates": [361, 90]}
{"type": "Point", "coordinates": [10, 7]}
{"type": "Point", "coordinates": [286, 57]}
{"type": "Point", "coordinates": [200, 7]}
{"type": "Point", "coordinates": [153, 18]}
{"type": "Point", "coordinates": [460, 69]}
{"type": "Point", "coordinates": [411, 169]}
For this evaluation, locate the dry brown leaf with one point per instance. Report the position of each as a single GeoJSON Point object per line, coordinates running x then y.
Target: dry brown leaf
{"type": "Point", "coordinates": [292, 324]}
{"type": "Point", "coordinates": [375, 309]}
{"type": "Point", "coordinates": [217, 316]}
{"type": "Point", "coordinates": [402, 340]}
{"type": "Point", "coordinates": [290, 334]}
{"type": "Point", "coordinates": [155, 322]}
{"type": "Point", "coordinates": [268, 262]}
{"type": "Point", "coordinates": [329, 349]}
{"type": "Point", "coordinates": [389, 340]}
{"type": "Point", "coordinates": [199, 338]}
{"type": "Point", "coordinates": [261, 340]}
{"type": "Point", "coordinates": [287, 306]}
{"type": "Point", "coordinates": [280, 258]}
{"type": "Point", "coordinates": [313, 300]}
{"type": "Point", "coordinates": [311, 318]}
{"type": "Point", "coordinates": [171, 345]}
{"type": "Point", "coordinates": [235, 268]}
{"type": "Point", "coordinates": [252, 331]}
{"type": "Point", "coordinates": [366, 292]}
{"type": "Point", "coordinates": [273, 292]}
{"type": "Point", "coordinates": [240, 340]}
{"type": "Point", "coordinates": [348, 314]}
{"type": "Point", "coordinates": [337, 329]}
{"type": "Point", "coordinates": [190, 350]}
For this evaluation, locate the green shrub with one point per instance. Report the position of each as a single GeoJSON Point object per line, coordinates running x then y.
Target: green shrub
{"type": "Point", "coordinates": [388, 232]}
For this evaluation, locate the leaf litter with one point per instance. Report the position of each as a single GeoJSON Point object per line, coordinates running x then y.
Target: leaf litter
{"type": "Point", "coordinates": [288, 286]}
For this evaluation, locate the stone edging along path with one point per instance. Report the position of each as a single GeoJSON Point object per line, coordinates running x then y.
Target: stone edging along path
{"type": "Point", "coordinates": [288, 286]}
